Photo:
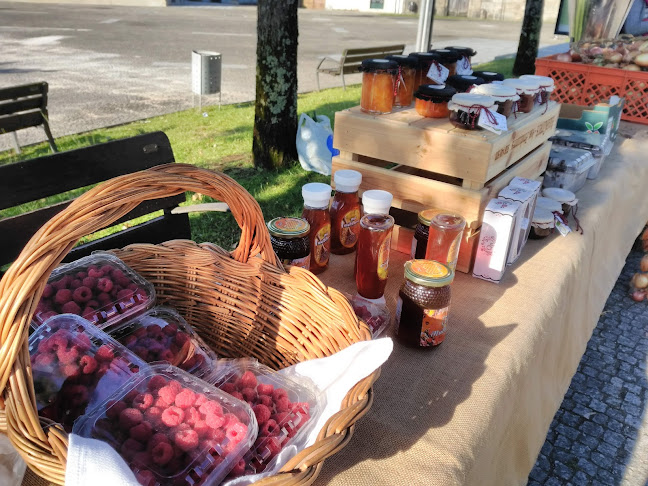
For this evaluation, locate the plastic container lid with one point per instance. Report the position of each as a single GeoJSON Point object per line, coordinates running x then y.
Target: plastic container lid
{"type": "Point", "coordinates": [100, 288]}
{"type": "Point", "coordinates": [597, 143]}
{"type": "Point", "coordinates": [286, 407]}
{"type": "Point", "coordinates": [316, 194]}
{"type": "Point", "coordinates": [382, 65]}
{"type": "Point", "coordinates": [462, 82]}
{"type": "Point", "coordinates": [403, 60]}
{"type": "Point", "coordinates": [347, 180]}
{"type": "Point", "coordinates": [428, 273]}
{"type": "Point", "coordinates": [471, 102]}
{"type": "Point", "coordinates": [423, 58]}
{"type": "Point", "coordinates": [523, 86]}
{"type": "Point", "coordinates": [569, 159]}
{"type": "Point", "coordinates": [75, 367]}
{"type": "Point", "coordinates": [498, 91]}
{"type": "Point", "coordinates": [563, 196]}
{"type": "Point", "coordinates": [436, 93]}
{"type": "Point", "coordinates": [489, 76]}
{"type": "Point", "coordinates": [464, 51]}
{"type": "Point", "coordinates": [195, 433]}
{"type": "Point", "coordinates": [549, 204]}
{"type": "Point", "coordinates": [543, 218]}
{"type": "Point", "coordinates": [288, 228]}
{"type": "Point", "coordinates": [448, 55]}
{"type": "Point", "coordinates": [376, 201]}
{"type": "Point", "coordinates": [545, 82]}
{"type": "Point", "coordinates": [161, 334]}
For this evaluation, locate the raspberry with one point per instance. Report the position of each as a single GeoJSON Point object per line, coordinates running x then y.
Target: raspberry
{"type": "Point", "coordinates": [49, 412]}
{"type": "Point", "coordinates": [180, 339]}
{"type": "Point", "coordinates": [104, 298]}
{"type": "Point", "coordinates": [71, 308]}
{"type": "Point", "coordinates": [88, 364]}
{"type": "Point", "coordinates": [167, 393]}
{"type": "Point", "coordinates": [185, 398]}
{"type": "Point", "coordinates": [162, 453]}
{"type": "Point", "coordinates": [129, 418]}
{"type": "Point", "coordinates": [124, 294]}
{"type": "Point", "coordinates": [265, 400]}
{"type": "Point", "coordinates": [172, 416]}
{"type": "Point", "coordinates": [153, 415]}
{"type": "Point", "coordinates": [161, 403]}
{"type": "Point", "coordinates": [129, 448]}
{"type": "Point", "coordinates": [141, 432]}
{"type": "Point", "coordinates": [187, 439]}
{"type": "Point", "coordinates": [281, 418]}
{"type": "Point", "coordinates": [237, 395]}
{"type": "Point", "coordinates": [156, 439]}
{"type": "Point", "coordinates": [75, 395]}
{"type": "Point", "coordinates": [104, 353]}
{"type": "Point", "coordinates": [236, 432]}
{"type": "Point", "coordinates": [269, 429]}
{"type": "Point", "coordinates": [107, 269]}
{"type": "Point", "coordinates": [156, 382]}
{"type": "Point", "coordinates": [140, 332]}
{"type": "Point", "coordinates": [200, 400]}
{"type": "Point", "coordinates": [82, 294]}
{"type": "Point", "coordinates": [272, 445]}
{"type": "Point", "coordinates": [167, 355]}
{"type": "Point", "coordinates": [117, 273]}
{"type": "Point", "coordinates": [81, 275]}
{"type": "Point", "coordinates": [265, 389]}
{"type": "Point", "coordinates": [63, 283]}
{"type": "Point", "coordinates": [175, 385]}
{"type": "Point", "coordinates": [48, 291]}
{"type": "Point", "coordinates": [82, 342]}
{"type": "Point", "coordinates": [192, 415]}
{"type": "Point", "coordinates": [202, 429]}
{"type": "Point", "coordinates": [214, 421]}
{"type": "Point", "coordinates": [71, 370]}
{"type": "Point", "coordinates": [46, 315]}
{"type": "Point", "coordinates": [141, 459]}
{"type": "Point", "coordinates": [248, 380]}
{"type": "Point", "coordinates": [218, 435]}
{"type": "Point", "coordinates": [262, 413]}
{"type": "Point", "coordinates": [143, 401]}
{"type": "Point", "coordinates": [211, 407]}
{"type": "Point", "coordinates": [170, 329]}
{"type": "Point", "coordinates": [130, 396]}
{"type": "Point", "coordinates": [238, 469]}
{"type": "Point", "coordinates": [95, 272]}
{"type": "Point", "coordinates": [115, 409]}
{"type": "Point", "coordinates": [283, 404]}
{"type": "Point", "coordinates": [145, 477]}
{"type": "Point", "coordinates": [104, 284]}
{"type": "Point", "coordinates": [90, 282]}
{"type": "Point", "coordinates": [63, 296]}
{"type": "Point", "coordinates": [249, 394]}
{"type": "Point", "coordinates": [43, 360]}
{"type": "Point", "coordinates": [129, 341]}
{"type": "Point", "coordinates": [153, 329]}
{"type": "Point", "coordinates": [278, 393]}
{"type": "Point", "coordinates": [75, 284]}
{"type": "Point", "coordinates": [142, 352]}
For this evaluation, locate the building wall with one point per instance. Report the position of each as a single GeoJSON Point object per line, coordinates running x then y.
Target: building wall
{"type": "Point", "coordinates": [389, 6]}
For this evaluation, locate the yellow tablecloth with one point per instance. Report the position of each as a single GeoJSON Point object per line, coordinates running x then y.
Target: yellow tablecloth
{"type": "Point", "coordinates": [476, 410]}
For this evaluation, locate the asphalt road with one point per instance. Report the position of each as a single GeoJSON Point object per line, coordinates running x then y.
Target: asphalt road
{"type": "Point", "coordinates": [108, 65]}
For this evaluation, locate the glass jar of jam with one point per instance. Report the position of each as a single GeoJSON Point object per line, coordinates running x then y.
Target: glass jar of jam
{"type": "Point", "coordinates": [432, 100]}
{"type": "Point", "coordinates": [504, 96]}
{"type": "Point", "coordinates": [424, 62]}
{"type": "Point", "coordinates": [464, 82]}
{"type": "Point", "coordinates": [464, 64]}
{"type": "Point", "coordinates": [465, 109]}
{"type": "Point", "coordinates": [317, 197]}
{"type": "Point", "coordinates": [378, 85]}
{"type": "Point", "coordinates": [546, 86]}
{"type": "Point", "coordinates": [444, 238]}
{"type": "Point", "coordinates": [542, 224]}
{"type": "Point", "coordinates": [527, 89]}
{"type": "Point", "coordinates": [289, 237]}
{"type": "Point", "coordinates": [449, 58]}
{"type": "Point", "coordinates": [420, 239]}
{"type": "Point", "coordinates": [345, 212]}
{"type": "Point", "coordinates": [372, 257]}
{"type": "Point", "coordinates": [423, 304]}
{"type": "Point", "coordinates": [489, 76]}
{"type": "Point", "coordinates": [405, 79]}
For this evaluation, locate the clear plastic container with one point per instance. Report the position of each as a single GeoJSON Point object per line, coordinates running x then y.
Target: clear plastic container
{"type": "Point", "coordinates": [374, 312]}
{"type": "Point", "coordinates": [567, 168]}
{"type": "Point", "coordinates": [161, 334]}
{"type": "Point", "coordinates": [100, 288]}
{"type": "Point", "coordinates": [597, 143]}
{"type": "Point", "coordinates": [173, 428]}
{"type": "Point", "coordinates": [378, 86]}
{"type": "Point", "coordinates": [75, 367]}
{"type": "Point", "coordinates": [286, 409]}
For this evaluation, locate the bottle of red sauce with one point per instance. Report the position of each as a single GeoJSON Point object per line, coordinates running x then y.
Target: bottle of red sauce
{"type": "Point", "coordinates": [317, 197]}
{"type": "Point", "coordinates": [345, 212]}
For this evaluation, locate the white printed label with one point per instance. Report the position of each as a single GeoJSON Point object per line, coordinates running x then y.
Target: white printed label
{"type": "Point", "coordinates": [486, 121]}
{"type": "Point", "coordinates": [562, 227]}
{"type": "Point", "coordinates": [438, 73]}
{"type": "Point", "coordinates": [463, 66]}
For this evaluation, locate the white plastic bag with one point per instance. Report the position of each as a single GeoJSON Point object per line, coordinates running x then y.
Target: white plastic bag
{"type": "Point", "coordinates": [315, 143]}
{"type": "Point", "coordinates": [12, 466]}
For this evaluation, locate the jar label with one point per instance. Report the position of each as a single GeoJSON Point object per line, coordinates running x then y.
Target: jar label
{"type": "Point", "coordinates": [298, 262]}
{"type": "Point", "coordinates": [350, 228]}
{"type": "Point", "coordinates": [321, 251]}
{"type": "Point", "coordinates": [453, 252]}
{"type": "Point", "coordinates": [383, 257]}
{"type": "Point", "coordinates": [433, 327]}
{"type": "Point", "coordinates": [463, 66]}
{"type": "Point", "coordinates": [438, 72]}
{"type": "Point", "coordinates": [399, 311]}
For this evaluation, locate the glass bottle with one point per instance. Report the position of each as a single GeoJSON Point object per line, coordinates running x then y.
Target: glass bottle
{"type": "Point", "coordinates": [432, 100]}
{"type": "Point", "coordinates": [504, 96]}
{"type": "Point", "coordinates": [465, 109]}
{"type": "Point", "coordinates": [444, 238]}
{"type": "Point", "coordinates": [421, 233]}
{"type": "Point", "coordinates": [378, 86]}
{"type": "Point", "coordinates": [345, 212]}
{"type": "Point", "coordinates": [424, 62]}
{"type": "Point", "coordinates": [527, 89]}
{"type": "Point", "coordinates": [317, 197]}
{"type": "Point", "coordinates": [289, 238]}
{"type": "Point", "coordinates": [372, 257]}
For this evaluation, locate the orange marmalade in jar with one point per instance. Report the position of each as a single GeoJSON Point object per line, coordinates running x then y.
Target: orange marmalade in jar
{"type": "Point", "coordinates": [345, 212]}
{"type": "Point", "coordinates": [378, 85]}
{"type": "Point", "coordinates": [405, 79]}
{"type": "Point", "coordinates": [432, 100]}
{"type": "Point", "coordinates": [424, 61]}
{"type": "Point", "coordinates": [449, 58]}
{"type": "Point", "coordinates": [316, 211]}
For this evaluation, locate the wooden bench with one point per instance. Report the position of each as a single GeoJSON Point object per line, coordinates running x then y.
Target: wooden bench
{"type": "Point", "coordinates": [24, 107]}
{"type": "Point", "coordinates": [33, 179]}
{"type": "Point", "coordinates": [352, 58]}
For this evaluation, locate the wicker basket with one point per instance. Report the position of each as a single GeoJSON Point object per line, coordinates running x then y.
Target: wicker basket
{"type": "Point", "coordinates": [242, 303]}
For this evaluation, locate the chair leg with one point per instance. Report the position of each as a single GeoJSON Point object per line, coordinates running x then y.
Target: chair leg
{"type": "Point", "coordinates": [317, 76]}
{"type": "Point", "coordinates": [15, 143]}
{"type": "Point", "coordinates": [343, 85]}
{"type": "Point", "coordinates": [50, 138]}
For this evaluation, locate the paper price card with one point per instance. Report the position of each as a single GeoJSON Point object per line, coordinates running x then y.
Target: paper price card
{"type": "Point", "coordinates": [438, 73]}
{"type": "Point", "coordinates": [493, 121]}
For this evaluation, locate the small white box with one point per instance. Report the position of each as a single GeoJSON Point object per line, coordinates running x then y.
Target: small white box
{"type": "Point", "coordinates": [528, 184]}
{"type": "Point", "coordinates": [527, 200]}
{"type": "Point", "coordinates": [494, 239]}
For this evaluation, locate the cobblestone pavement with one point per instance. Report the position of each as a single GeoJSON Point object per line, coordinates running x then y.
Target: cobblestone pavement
{"type": "Point", "coordinates": [599, 436]}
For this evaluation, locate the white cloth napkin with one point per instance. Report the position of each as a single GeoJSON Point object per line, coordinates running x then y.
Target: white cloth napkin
{"type": "Point", "coordinates": [94, 462]}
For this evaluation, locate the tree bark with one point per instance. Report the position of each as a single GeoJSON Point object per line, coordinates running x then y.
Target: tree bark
{"type": "Point", "coordinates": [529, 38]}
{"type": "Point", "coordinates": [275, 114]}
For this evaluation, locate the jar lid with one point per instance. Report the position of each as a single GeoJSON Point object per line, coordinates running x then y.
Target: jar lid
{"type": "Point", "coordinates": [428, 273]}
{"type": "Point", "coordinates": [347, 180]}
{"type": "Point", "coordinates": [543, 218]}
{"type": "Point", "coordinates": [316, 194]}
{"type": "Point", "coordinates": [376, 201]}
{"type": "Point", "coordinates": [489, 76]}
{"type": "Point", "coordinates": [426, 216]}
{"type": "Point", "coordinates": [448, 220]}
{"type": "Point", "coordinates": [563, 196]}
{"type": "Point", "coordinates": [498, 91]}
{"type": "Point", "coordinates": [464, 51]}
{"type": "Point", "coordinates": [471, 102]}
{"type": "Point", "coordinates": [403, 60]}
{"type": "Point", "coordinates": [447, 55]}
{"type": "Point", "coordinates": [423, 58]}
{"type": "Point", "coordinates": [374, 65]}
{"type": "Point", "coordinates": [545, 82]}
{"type": "Point", "coordinates": [523, 86]}
{"type": "Point", "coordinates": [461, 82]}
{"type": "Point", "coordinates": [288, 227]}
{"type": "Point", "coordinates": [437, 93]}
{"type": "Point", "coordinates": [549, 204]}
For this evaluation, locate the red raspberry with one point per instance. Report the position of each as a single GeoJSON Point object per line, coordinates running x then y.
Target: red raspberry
{"type": "Point", "coordinates": [228, 387]}
{"type": "Point", "coordinates": [95, 272]}
{"type": "Point", "coordinates": [82, 342]}
{"type": "Point", "coordinates": [141, 459]}
{"type": "Point", "coordinates": [249, 394]}
{"type": "Point", "coordinates": [269, 429]}
{"type": "Point", "coordinates": [129, 341]}
{"type": "Point", "coordinates": [49, 412]}
{"type": "Point", "coordinates": [175, 385]}
{"type": "Point", "coordinates": [124, 294]}
{"type": "Point", "coordinates": [238, 395]}
{"type": "Point", "coordinates": [63, 296]}
{"type": "Point", "coordinates": [81, 275]}
{"type": "Point", "coordinates": [104, 299]}
{"type": "Point", "coordinates": [262, 413]}
{"type": "Point", "coordinates": [75, 284]}
{"type": "Point", "coordinates": [265, 389]}
{"type": "Point", "coordinates": [187, 439]}
{"type": "Point", "coordinates": [238, 469]}
{"type": "Point", "coordinates": [200, 400]}
{"type": "Point", "coordinates": [214, 421]}
{"type": "Point", "coordinates": [202, 429]}
{"type": "Point", "coordinates": [104, 353]}
{"type": "Point", "coordinates": [180, 339]}
{"type": "Point", "coordinates": [71, 308]}
{"type": "Point", "coordinates": [248, 380]}
{"type": "Point", "coordinates": [265, 400]}
{"type": "Point", "coordinates": [114, 409]}
{"type": "Point", "coordinates": [141, 432]}
{"type": "Point", "coordinates": [107, 269]}
{"type": "Point", "coordinates": [129, 448]}
{"type": "Point", "coordinates": [104, 285]}
{"type": "Point", "coordinates": [281, 418]}
{"type": "Point", "coordinates": [90, 282]}
{"type": "Point", "coordinates": [71, 370]}
{"type": "Point", "coordinates": [218, 435]}
{"type": "Point", "coordinates": [211, 407]}
{"type": "Point", "coordinates": [43, 360]}
{"type": "Point", "coordinates": [272, 445]}
{"type": "Point", "coordinates": [170, 329]}
{"type": "Point", "coordinates": [156, 382]}
{"type": "Point", "coordinates": [172, 416]}
{"type": "Point", "coordinates": [153, 415]}
{"type": "Point", "coordinates": [278, 393]}
{"type": "Point", "coordinates": [130, 396]}
{"type": "Point", "coordinates": [192, 415]}
{"type": "Point", "coordinates": [162, 453]}
{"type": "Point", "coordinates": [236, 432]}
{"type": "Point", "coordinates": [75, 395]}
{"type": "Point", "coordinates": [116, 273]}
{"type": "Point", "coordinates": [167, 355]}
{"type": "Point", "coordinates": [156, 439]}
{"type": "Point", "coordinates": [48, 291]}
{"type": "Point", "coordinates": [63, 283]}
{"type": "Point", "coordinates": [145, 477]}
{"type": "Point", "coordinates": [167, 393]}
{"type": "Point", "coordinates": [46, 315]}
{"type": "Point", "coordinates": [161, 403]}
{"type": "Point", "coordinates": [140, 332]}
{"type": "Point", "coordinates": [185, 398]}
{"type": "Point", "coordinates": [153, 329]}
{"type": "Point", "coordinates": [143, 401]}
{"type": "Point", "coordinates": [88, 364]}
{"type": "Point", "coordinates": [129, 418]}
{"type": "Point", "coordinates": [142, 352]}
{"type": "Point", "coordinates": [82, 294]}
{"type": "Point", "coordinates": [283, 404]}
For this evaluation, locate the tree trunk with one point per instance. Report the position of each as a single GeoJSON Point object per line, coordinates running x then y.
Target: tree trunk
{"type": "Point", "coordinates": [275, 114]}
{"type": "Point", "coordinates": [529, 38]}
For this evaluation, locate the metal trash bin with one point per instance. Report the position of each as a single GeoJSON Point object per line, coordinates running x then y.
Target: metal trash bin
{"type": "Point", "coordinates": [206, 73]}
